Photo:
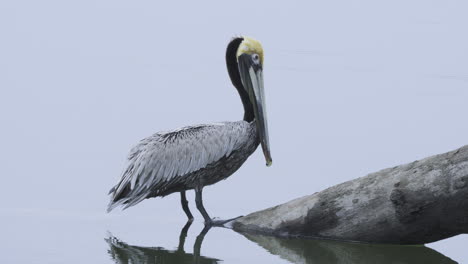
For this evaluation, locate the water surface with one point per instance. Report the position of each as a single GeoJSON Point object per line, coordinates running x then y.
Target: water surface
{"type": "Point", "coordinates": [351, 87]}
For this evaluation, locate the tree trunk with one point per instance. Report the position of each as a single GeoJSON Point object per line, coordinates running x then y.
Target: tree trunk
{"type": "Point", "coordinates": [416, 203]}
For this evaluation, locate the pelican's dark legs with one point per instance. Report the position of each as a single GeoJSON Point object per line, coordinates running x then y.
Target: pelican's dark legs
{"type": "Point", "coordinates": [184, 202]}
{"type": "Point", "coordinates": [200, 207]}
{"type": "Point", "coordinates": [208, 220]}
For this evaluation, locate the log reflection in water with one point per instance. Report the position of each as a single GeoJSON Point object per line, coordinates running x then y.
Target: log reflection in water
{"type": "Point", "coordinates": [310, 251]}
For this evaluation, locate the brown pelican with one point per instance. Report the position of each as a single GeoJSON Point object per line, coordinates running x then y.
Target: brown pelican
{"type": "Point", "coordinates": [196, 156]}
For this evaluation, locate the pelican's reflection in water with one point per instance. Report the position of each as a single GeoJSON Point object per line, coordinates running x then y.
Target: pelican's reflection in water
{"type": "Point", "coordinates": [124, 253]}
{"type": "Point", "coordinates": [332, 252]}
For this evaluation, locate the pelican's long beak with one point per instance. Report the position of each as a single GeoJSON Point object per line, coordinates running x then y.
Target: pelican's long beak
{"type": "Point", "coordinates": [251, 74]}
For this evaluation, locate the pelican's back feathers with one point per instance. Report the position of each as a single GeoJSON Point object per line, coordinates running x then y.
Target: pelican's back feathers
{"type": "Point", "coordinates": [165, 158]}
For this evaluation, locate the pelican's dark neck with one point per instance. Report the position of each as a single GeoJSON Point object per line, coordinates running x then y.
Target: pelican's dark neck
{"type": "Point", "coordinates": [233, 69]}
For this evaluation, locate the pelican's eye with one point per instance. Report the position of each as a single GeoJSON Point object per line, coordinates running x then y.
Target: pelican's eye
{"type": "Point", "coordinates": [256, 58]}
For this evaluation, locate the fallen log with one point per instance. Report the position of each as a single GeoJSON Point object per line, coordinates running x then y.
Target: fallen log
{"type": "Point", "coordinates": [416, 203]}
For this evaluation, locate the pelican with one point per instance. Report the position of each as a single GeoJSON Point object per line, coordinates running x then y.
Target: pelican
{"type": "Point", "coordinates": [196, 156]}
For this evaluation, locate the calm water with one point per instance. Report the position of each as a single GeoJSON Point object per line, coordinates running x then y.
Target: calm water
{"type": "Point", "coordinates": [32, 236]}
{"type": "Point", "coordinates": [351, 87]}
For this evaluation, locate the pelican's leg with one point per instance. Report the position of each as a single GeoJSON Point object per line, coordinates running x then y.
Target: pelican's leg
{"type": "Point", "coordinates": [208, 220]}
{"type": "Point", "coordinates": [184, 202]}
{"type": "Point", "coordinates": [200, 207]}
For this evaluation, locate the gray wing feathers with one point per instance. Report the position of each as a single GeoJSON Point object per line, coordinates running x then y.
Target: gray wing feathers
{"type": "Point", "coordinates": [168, 156]}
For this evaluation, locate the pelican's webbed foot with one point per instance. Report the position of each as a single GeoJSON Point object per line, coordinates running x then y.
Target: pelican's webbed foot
{"type": "Point", "coordinates": [209, 222]}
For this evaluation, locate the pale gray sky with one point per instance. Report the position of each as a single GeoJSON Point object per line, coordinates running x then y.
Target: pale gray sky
{"type": "Point", "coordinates": [352, 87]}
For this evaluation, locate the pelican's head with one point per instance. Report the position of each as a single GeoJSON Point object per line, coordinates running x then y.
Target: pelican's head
{"type": "Point", "coordinates": [244, 59]}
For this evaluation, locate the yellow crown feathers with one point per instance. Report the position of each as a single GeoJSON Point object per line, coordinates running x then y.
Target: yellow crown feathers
{"type": "Point", "coordinates": [250, 46]}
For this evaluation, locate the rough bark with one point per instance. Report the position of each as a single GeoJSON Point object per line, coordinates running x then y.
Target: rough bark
{"type": "Point", "coordinates": [416, 203]}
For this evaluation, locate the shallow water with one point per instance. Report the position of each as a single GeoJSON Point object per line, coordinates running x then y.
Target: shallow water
{"type": "Point", "coordinates": [32, 236]}
{"type": "Point", "coordinates": [351, 87]}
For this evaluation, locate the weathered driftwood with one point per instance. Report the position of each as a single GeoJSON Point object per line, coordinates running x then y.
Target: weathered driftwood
{"type": "Point", "coordinates": [416, 203]}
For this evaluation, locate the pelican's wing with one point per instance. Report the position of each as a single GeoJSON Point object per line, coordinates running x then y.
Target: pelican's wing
{"type": "Point", "coordinates": [162, 157]}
